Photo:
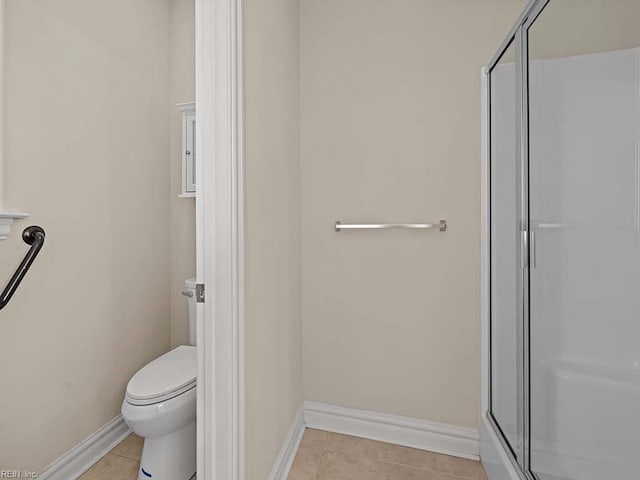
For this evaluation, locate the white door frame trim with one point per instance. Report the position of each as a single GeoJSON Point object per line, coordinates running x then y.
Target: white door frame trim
{"type": "Point", "coordinates": [220, 237]}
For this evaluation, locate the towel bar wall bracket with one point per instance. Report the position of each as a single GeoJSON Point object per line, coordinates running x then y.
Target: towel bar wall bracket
{"type": "Point", "coordinates": [441, 225]}
{"type": "Point", "coordinates": [34, 236]}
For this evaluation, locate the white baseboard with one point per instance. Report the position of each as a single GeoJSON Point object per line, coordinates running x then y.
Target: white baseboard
{"type": "Point", "coordinates": [289, 448]}
{"type": "Point", "coordinates": [84, 455]}
{"type": "Point", "coordinates": [409, 432]}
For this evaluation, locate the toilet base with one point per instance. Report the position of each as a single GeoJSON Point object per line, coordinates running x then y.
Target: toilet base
{"type": "Point", "coordinates": [170, 457]}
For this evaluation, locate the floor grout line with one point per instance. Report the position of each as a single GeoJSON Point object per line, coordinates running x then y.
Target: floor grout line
{"type": "Point", "coordinates": [424, 469]}
{"type": "Point", "coordinates": [124, 456]}
{"type": "Point", "coordinates": [322, 450]}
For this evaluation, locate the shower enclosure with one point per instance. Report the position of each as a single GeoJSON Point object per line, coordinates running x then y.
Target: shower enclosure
{"type": "Point", "coordinates": [561, 281]}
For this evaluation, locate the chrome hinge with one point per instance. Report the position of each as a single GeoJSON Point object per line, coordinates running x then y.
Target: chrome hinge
{"type": "Point", "coordinates": [200, 292]}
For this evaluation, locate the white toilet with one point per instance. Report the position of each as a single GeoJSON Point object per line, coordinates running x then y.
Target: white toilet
{"type": "Point", "coordinates": [160, 406]}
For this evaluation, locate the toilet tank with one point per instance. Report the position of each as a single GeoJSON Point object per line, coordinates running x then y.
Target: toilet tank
{"type": "Point", "coordinates": [190, 293]}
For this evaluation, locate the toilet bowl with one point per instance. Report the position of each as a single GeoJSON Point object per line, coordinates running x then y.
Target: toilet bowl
{"type": "Point", "coordinates": [160, 407]}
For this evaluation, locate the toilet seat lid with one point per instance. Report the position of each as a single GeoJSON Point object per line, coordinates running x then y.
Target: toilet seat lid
{"type": "Point", "coordinates": [165, 377]}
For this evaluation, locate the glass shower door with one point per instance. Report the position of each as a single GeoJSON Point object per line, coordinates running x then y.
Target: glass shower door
{"type": "Point", "coordinates": [505, 248]}
{"type": "Point", "coordinates": [584, 187]}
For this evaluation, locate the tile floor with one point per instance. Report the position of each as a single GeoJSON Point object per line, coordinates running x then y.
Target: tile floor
{"type": "Point", "coordinates": [121, 463]}
{"type": "Point", "coordinates": [330, 456]}
{"type": "Point", "coordinates": [323, 456]}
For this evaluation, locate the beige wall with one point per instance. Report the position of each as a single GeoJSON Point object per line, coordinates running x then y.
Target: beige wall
{"type": "Point", "coordinates": [86, 153]}
{"type": "Point", "coordinates": [183, 210]}
{"type": "Point", "coordinates": [390, 132]}
{"type": "Point", "coordinates": [273, 329]}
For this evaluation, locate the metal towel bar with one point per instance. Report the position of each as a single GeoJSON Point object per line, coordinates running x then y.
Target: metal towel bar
{"type": "Point", "coordinates": [33, 236]}
{"type": "Point", "coordinates": [441, 225]}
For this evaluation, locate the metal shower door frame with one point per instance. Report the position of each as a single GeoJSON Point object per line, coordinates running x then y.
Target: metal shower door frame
{"type": "Point", "coordinates": [518, 36]}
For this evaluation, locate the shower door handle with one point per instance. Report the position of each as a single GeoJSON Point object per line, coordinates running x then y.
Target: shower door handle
{"type": "Point", "coordinates": [532, 248]}
{"type": "Point", "coordinates": [528, 249]}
